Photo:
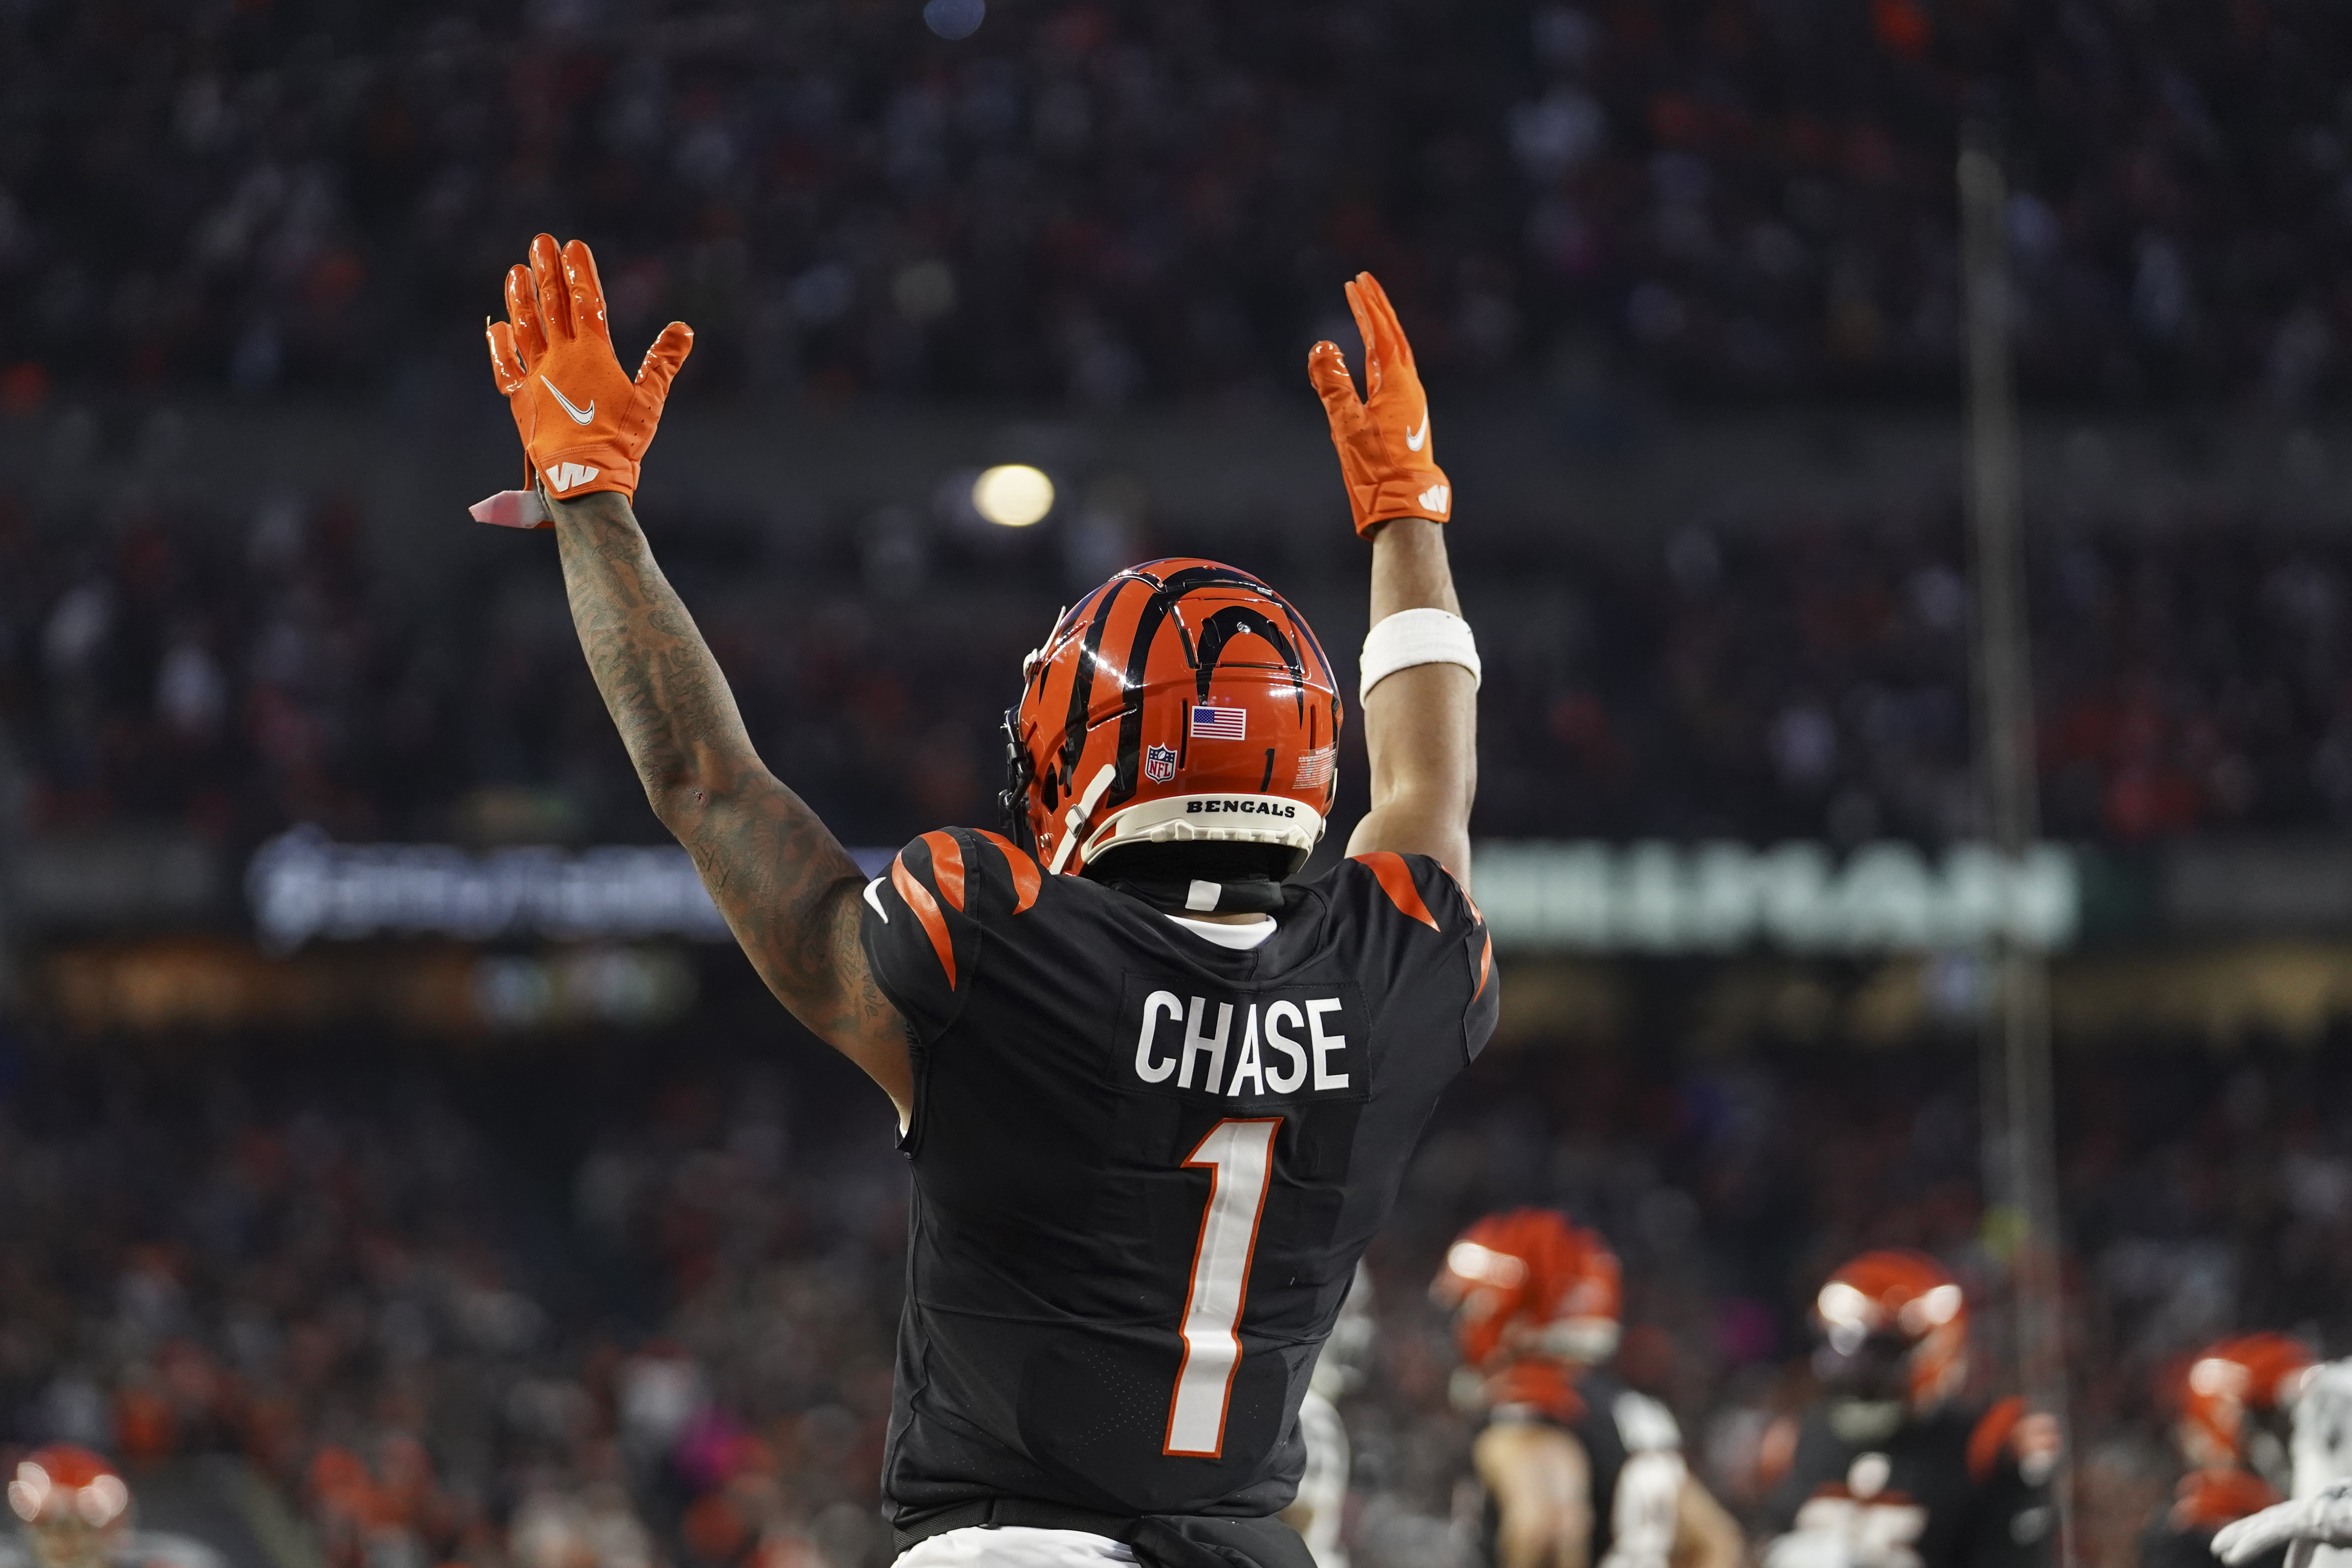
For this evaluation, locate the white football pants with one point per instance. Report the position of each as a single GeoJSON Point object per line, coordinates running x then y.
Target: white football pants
{"type": "Point", "coordinates": [1014, 1546]}
{"type": "Point", "coordinates": [1323, 1490]}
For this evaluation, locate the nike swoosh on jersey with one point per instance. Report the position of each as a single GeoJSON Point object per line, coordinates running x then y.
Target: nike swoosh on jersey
{"type": "Point", "coordinates": [582, 416]}
{"type": "Point", "coordinates": [1413, 438]}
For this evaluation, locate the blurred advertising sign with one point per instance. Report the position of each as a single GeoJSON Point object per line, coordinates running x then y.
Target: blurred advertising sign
{"type": "Point", "coordinates": [209, 981]}
{"type": "Point", "coordinates": [1638, 898]}
{"type": "Point", "coordinates": [304, 885]}
{"type": "Point", "coordinates": [1718, 898]}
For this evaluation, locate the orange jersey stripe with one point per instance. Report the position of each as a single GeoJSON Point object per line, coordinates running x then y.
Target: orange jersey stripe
{"type": "Point", "coordinates": [1486, 967]}
{"type": "Point", "coordinates": [1396, 882]}
{"type": "Point", "coordinates": [1026, 878]}
{"type": "Point", "coordinates": [1992, 1437]}
{"type": "Point", "coordinates": [947, 866]}
{"type": "Point", "coordinates": [927, 910]}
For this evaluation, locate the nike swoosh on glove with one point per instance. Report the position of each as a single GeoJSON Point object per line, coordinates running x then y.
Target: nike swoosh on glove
{"type": "Point", "coordinates": [1385, 456]}
{"type": "Point", "coordinates": [585, 424]}
{"type": "Point", "coordinates": [2323, 1519]}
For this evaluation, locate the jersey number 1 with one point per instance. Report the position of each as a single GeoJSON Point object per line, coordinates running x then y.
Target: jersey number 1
{"type": "Point", "coordinates": [1239, 1156]}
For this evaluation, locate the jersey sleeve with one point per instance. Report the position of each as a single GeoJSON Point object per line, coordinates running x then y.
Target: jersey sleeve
{"type": "Point", "coordinates": [2014, 1521]}
{"type": "Point", "coordinates": [926, 920]}
{"type": "Point", "coordinates": [1416, 888]}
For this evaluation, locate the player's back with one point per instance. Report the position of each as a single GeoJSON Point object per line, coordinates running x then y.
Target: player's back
{"type": "Point", "coordinates": [1145, 1165]}
{"type": "Point", "coordinates": [1943, 1490]}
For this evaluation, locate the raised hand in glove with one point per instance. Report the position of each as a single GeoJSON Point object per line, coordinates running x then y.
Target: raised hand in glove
{"type": "Point", "coordinates": [2323, 1519]}
{"type": "Point", "coordinates": [1383, 439]}
{"type": "Point", "coordinates": [585, 423]}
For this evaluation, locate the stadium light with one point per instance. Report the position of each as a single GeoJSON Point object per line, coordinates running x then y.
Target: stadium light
{"type": "Point", "coordinates": [955, 19]}
{"type": "Point", "coordinates": [1013, 495]}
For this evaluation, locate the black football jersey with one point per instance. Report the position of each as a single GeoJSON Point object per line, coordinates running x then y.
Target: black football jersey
{"type": "Point", "coordinates": [1634, 1470]}
{"type": "Point", "coordinates": [1940, 1491]}
{"type": "Point", "coordinates": [2168, 1544]}
{"type": "Point", "coordinates": [1145, 1167]}
{"type": "Point", "coordinates": [2181, 1534]}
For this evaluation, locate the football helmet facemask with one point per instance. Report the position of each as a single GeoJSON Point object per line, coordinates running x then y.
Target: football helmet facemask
{"type": "Point", "coordinates": [1894, 1332]}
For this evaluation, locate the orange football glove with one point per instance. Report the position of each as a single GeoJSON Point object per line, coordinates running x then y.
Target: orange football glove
{"type": "Point", "coordinates": [1383, 440]}
{"type": "Point", "coordinates": [584, 424]}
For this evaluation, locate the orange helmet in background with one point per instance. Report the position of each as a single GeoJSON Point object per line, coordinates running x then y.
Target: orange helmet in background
{"type": "Point", "coordinates": [1896, 1325]}
{"type": "Point", "coordinates": [1534, 1299]}
{"type": "Point", "coordinates": [1182, 702]}
{"type": "Point", "coordinates": [2235, 1398]}
{"type": "Point", "coordinates": [75, 1502]}
{"type": "Point", "coordinates": [64, 1482]}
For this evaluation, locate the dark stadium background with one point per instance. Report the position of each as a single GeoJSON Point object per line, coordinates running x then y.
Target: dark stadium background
{"type": "Point", "coordinates": [403, 1242]}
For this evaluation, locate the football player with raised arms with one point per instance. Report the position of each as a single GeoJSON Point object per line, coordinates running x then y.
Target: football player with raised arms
{"type": "Point", "coordinates": [1156, 1090]}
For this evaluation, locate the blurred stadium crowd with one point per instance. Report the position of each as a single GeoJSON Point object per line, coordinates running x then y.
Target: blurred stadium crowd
{"type": "Point", "coordinates": [368, 1302]}
{"type": "Point", "coordinates": [237, 675]}
{"type": "Point", "coordinates": [1092, 203]}
{"type": "Point", "coordinates": [614, 1328]}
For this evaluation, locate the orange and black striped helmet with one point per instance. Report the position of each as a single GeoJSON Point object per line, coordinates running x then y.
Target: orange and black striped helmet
{"type": "Point", "coordinates": [2235, 1389]}
{"type": "Point", "coordinates": [1530, 1283]}
{"type": "Point", "coordinates": [1180, 702]}
{"type": "Point", "coordinates": [1901, 1305]}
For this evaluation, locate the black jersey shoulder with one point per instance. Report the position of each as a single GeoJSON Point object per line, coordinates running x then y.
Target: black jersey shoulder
{"type": "Point", "coordinates": [1408, 913]}
{"type": "Point", "coordinates": [926, 919]}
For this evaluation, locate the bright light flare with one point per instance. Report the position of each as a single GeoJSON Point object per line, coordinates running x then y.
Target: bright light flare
{"type": "Point", "coordinates": [1485, 1265]}
{"type": "Point", "coordinates": [1013, 495]}
{"type": "Point", "coordinates": [1842, 1306]}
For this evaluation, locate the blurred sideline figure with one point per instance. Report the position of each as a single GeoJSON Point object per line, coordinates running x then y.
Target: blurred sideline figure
{"type": "Point", "coordinates": [1156, 1090]}
{"type": "Point", "coordinates": [1578, 1468]}
{"type": "Point", "coordinates": [2322, 1448]}
{"type": "Point", "coordinates": [1888, 1470]}
{"type": "Point", "coordinates": [74, 1510]}
{"type": "Point", "coordinates": [2313, 1529]}
{"type": "Point", "coordinates": [1320, 1509]}
{"type": "Point", "coordinates": [2236, 1401]}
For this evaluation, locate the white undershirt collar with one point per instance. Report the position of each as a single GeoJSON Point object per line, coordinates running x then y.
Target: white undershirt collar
{"type": "Point", "coordinates": [1240, 938]}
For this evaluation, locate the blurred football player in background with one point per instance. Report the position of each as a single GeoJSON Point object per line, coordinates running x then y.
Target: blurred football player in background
{"type": "Point", "coordinates": [2322, 1449]}
{"type": "Point", "coordinates": [1890, 1469]}
{"type": "Point", "coordinates": [2322, 1445]}
{"type": "Point", "coordinates": [1578, 1468]}
{"type": "Point", "coordinates": [1319, 1511]}
{"type": "Point", "coordinates": [2315, 1529]}
{"type": "Point", "coordinates": [2237, 1400]}
{"type": "Point", "coordinates": [1155, 1091]}
{"type": "Point", "coordinates": [75, 1512]}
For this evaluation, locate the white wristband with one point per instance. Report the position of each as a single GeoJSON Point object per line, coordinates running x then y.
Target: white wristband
{"type": "Point", "coordinates": [1416, 636]}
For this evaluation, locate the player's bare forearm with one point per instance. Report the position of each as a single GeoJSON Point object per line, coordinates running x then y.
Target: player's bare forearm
{"type": "Point", "coordinates": [1420, 724]}
{"type": "Point", "coordinates": [788, 889]}
{"type": "Point", "coordinates": [1706, 1536]}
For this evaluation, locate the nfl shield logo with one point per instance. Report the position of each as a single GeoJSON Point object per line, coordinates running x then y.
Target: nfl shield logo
{"type": "Point", "coordinates": [1160, 763]}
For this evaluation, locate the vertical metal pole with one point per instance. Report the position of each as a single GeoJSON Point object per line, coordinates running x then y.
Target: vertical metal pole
{"type": "Point", "coordinates": [2018, 1029]}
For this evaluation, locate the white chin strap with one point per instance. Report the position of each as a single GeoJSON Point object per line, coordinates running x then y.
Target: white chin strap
{"type": "Point", "coordinates": [1080, 809]}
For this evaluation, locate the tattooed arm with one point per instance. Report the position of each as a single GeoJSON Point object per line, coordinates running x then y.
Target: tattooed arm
{"type": "Point", "coordinates": [788, 889]}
